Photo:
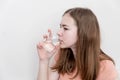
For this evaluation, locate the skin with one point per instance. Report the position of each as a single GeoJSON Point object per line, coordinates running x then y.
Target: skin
{"type": "Point", "coordinates": [68, 32]}
{"type": "Point", "coordinates": [67, 37]}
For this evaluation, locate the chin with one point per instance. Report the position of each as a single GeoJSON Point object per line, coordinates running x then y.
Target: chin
{"type": "Point", "coordinates": [63, 46]}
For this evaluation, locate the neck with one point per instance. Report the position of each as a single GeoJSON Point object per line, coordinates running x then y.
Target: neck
{"type": "Point", "coordinates": [74, 50]}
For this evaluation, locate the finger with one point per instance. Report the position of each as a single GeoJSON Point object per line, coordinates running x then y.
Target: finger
{"type": "Point", "coordinates": [55, 50]}
{"type": "Point", "coordinates": [40, 45]}
{"type": "Point", "coordinates": [50, 34]}
{"type": "Point", "coordinates": [57, 46]}
{"type": "Point", "coordinates": [45, 37]}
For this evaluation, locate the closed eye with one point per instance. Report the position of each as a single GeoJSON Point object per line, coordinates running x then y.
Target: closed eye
{"type": "Point", "coordinates": [65, 28]}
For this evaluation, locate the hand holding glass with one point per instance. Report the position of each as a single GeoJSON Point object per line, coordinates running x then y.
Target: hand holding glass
{"type": "Point", "coordinates": [51, 43]}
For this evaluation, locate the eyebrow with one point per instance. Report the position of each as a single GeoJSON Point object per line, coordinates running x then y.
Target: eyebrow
{"type": "Point", "coordinates": [63, 25]}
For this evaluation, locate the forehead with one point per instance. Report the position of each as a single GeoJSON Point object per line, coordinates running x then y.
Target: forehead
{"type": "Point", "coordinates": [68, 20]}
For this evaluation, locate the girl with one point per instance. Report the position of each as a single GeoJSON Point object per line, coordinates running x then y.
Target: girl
{"type": "Point", "coordinates": [78, 56]}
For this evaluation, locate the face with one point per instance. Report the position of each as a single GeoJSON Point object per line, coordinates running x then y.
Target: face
{"type": "Point", "coordinates": [68, 32]}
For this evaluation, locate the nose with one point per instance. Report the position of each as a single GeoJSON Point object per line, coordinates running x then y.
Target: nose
{"type": "Point", "coordinates": [60, 33]}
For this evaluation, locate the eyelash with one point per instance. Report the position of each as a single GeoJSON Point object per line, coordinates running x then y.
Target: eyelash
{"type": "Point", "coordinates": [65, 28]}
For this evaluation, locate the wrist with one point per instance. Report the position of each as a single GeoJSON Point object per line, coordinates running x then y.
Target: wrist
{"type": "Point", "coordinates": [44, 61]}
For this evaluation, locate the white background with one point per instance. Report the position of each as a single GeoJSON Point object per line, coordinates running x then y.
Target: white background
{"type": "Point", "coordinates": [23, 22]}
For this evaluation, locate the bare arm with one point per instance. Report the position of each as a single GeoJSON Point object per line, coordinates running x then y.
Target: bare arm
{"type": "Point", "coordinates": [53, 75]}
{"type": "Point", "coordinates": [45, 72]}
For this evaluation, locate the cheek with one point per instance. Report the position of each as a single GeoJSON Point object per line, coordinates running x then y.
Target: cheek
{"type": "Point", "coordinates": [71, 39]}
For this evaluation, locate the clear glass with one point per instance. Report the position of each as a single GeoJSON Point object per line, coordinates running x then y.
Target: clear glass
{"type": "Point", "coordinates": [49, 45]}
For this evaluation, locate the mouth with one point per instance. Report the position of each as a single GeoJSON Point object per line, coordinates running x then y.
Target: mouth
{"type": "Point", "coordinates": [61, 41]}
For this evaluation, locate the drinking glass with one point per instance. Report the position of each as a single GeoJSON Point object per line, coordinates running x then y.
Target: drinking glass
{"type": "Point", "coordinates": [49, 45]}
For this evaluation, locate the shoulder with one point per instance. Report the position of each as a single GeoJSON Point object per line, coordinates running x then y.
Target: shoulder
{"type": "Point", "coordinates": [107, 70]}
{"type": "Point", "coordinates": [106, 63]}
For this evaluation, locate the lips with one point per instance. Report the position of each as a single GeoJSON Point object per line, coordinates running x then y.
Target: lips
{"type": "Point", "coordinates": [61, 41]}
